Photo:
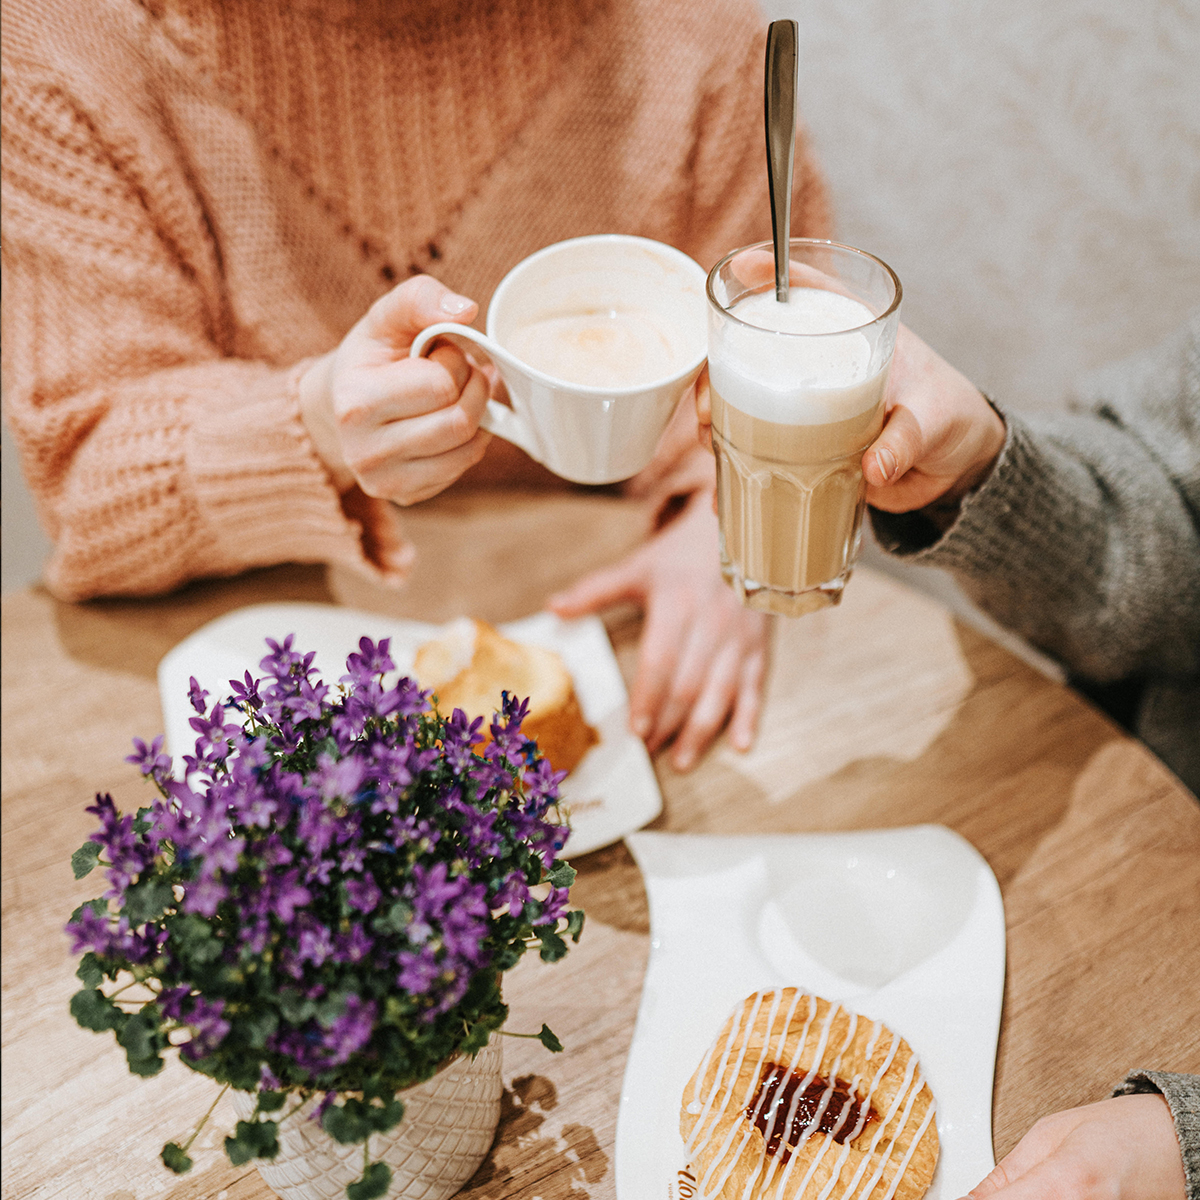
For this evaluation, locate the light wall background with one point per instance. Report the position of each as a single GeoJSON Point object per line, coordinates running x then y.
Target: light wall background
{"type": "Point", "coordinates": [1031, 169]}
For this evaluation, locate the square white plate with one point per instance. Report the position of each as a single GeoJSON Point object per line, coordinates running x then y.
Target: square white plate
{"type": "Point", "coordinates": [905, 926]}
{"type": "Point", "coordinates": [612, 791]}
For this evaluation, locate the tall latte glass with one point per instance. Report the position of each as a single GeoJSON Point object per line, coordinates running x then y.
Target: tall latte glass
{"type": "Point", "coordinates": [797, 397]}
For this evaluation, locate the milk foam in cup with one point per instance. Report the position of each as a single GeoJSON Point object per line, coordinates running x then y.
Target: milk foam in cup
{"type": "Point", "coordinates": [597, 340]}
{"type": "Point", "coordinates": [797, 397]}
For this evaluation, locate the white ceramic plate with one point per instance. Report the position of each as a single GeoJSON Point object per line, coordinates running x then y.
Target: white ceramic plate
{"type": "Point", "coordinates": [612, 791]}
{"type": "Point", "coordinates": [905, 926]}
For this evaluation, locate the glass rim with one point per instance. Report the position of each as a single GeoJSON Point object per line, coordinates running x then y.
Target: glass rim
{"type": "Point", "coordinates": [826, 242]}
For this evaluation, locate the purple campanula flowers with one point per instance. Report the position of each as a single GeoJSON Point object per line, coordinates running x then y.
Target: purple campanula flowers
{"type": "Point", "coordinates": [343, 869]}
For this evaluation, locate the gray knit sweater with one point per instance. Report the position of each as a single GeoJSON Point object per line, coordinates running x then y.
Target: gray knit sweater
{"type": "Point", "coordinates": [1085, 539]}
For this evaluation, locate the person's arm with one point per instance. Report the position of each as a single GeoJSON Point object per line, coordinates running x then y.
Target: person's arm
{"type": "Point", "coordinates": [155, 452]}
{"type": "Point", "coordinates": [1081, 532]}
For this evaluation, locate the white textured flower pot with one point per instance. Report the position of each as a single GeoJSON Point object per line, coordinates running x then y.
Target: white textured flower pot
{"type": "Point", "coordinates": [448, 1126]}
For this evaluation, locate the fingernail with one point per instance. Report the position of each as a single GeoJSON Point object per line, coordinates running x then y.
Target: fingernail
{"type": "Point", "coordinates": [886, 462]}
{"type": "Point", "coordinates": [455, 305]}
{"type": "Point", "coordinates": [640, 726]}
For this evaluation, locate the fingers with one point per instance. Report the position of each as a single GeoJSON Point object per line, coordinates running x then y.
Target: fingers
{"type": "Point", "coordinates": [408, 387]}
{"type": "Point", "coordinates": [401, 437]}
{"type": "Point", "coordinates": [454, 362]}
{"type": "Point", "coordinates": [704, 409]}
{"type": "Point", "coordinates": [601, 589]}
{"type": "Point", "coordinates": [708, 687]}
{"type": "Point", "coordinates": [397, 317]}
{"type": "Point", "coordinates": [1053, 1177]}
{"type": "Point", "coordinates": [659, 651]}
{"type": "Point", "coordinates": [895, 450]}
{"type": "Point", "coordinates": [408, 459]}
{"type": "Point", "coordinates": [703, 713]}
{"type": "Point", "coordinates": [423, 478]}
{"type": "Point", "coordinates": [748, 702]}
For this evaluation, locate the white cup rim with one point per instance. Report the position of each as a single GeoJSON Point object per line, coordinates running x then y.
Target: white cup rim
{"type": "Point", "coordinates": [636, 389]}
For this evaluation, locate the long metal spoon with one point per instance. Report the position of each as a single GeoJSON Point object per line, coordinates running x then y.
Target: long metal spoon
{"type": "Point", "coordinates": [779, 96]}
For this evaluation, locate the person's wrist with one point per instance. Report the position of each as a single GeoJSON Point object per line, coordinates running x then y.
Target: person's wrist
{"type": "Point", "coordinates": [990, 434]}
{"type": "Point", "coordinates": [316, 412]}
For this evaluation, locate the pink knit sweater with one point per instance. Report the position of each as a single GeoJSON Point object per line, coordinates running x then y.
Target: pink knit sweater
{"type": "Point", "coordinates": [201, 195]}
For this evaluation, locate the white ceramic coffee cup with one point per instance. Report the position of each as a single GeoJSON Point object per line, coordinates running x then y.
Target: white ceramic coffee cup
{"type": "Point", "coordinates": [590, 434]}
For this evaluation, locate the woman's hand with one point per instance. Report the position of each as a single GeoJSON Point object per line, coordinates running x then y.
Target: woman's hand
{"type": "Point", "coordinates": [1119, 1149]}
{"type": "Point", "coordinates": [400, 428]}
{"type": "Point", "coordinates": [940, 437]}
{"type": "Point", "coordinates": [702, 657]}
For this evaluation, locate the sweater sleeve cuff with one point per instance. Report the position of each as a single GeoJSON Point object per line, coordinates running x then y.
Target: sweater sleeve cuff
{"type": "Point", "coordinates": [267, 497]}
{"type": "Point", "coordinates": [1010, 528]}
{"type": "Point", "coordinates": [1182, 1094]}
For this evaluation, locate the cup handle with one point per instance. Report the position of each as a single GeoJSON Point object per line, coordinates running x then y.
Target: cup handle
{"type": "Point", "coordinates": [497, 418]}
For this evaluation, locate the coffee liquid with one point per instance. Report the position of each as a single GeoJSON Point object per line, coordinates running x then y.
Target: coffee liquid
{"type": "Point", "coordinates": [791, 497]}
{"type": "Point", "coordinates": [789, 438]}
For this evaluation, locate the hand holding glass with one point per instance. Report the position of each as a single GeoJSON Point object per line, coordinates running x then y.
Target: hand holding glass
{"type": "Point", "coordinates": [797, 397]}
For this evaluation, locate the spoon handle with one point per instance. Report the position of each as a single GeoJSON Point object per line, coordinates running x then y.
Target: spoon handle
{"type": "Point", "coordinates": [779, 94]}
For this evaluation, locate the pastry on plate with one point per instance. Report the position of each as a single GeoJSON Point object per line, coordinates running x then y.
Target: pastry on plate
{"type": "Point", "coordinates": [472, 663]}
{"type": "Point", "coordinates": [799, 1098]}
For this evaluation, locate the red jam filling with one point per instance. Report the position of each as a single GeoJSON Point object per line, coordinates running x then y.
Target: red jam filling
{"type": "Point", "coordinates": [788, 1107]}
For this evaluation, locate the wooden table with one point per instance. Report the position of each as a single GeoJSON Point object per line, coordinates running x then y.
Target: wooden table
{"type": "Point", "coordinates": [883, 712]}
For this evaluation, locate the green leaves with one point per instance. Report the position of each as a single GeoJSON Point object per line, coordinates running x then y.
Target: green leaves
{"type": "Point", "coordinates": [304, 917]}
{"type": "Point", "coordinates": [146, 901]}
{"type": "Point", "coordinates": [395, 920]}
{"type": "Point", "coordinates": [175, 1159]}
{"type": "Point", "coordinates": [553, 947]}
{"type": "Point", "coordinates": [356, 1120]}
{"type": "Point", "coordinates": [92, 1009]}
{"type": "Point", "coordinates": [192, 938]}
{"type": "Point", "coordinates": [89, 971]}
{"type": "Point", "coordinates": [143, 1040]}
{"type": "Point", "coordinates": [271, 1101]}
{"type": "Point", "coordinates": [252, 1139]}
{"type": "Point", "coordinates": [547, 1038]}
{"type": "Point", "coordinates": [375, 1182]}
{"type": "Point", "coordinates": [85, 858]}
{"type": "Point", "coordinates": [563, 875]}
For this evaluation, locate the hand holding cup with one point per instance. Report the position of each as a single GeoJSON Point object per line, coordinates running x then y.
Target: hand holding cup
{"type": "Point", "coordinates": [400, 428]}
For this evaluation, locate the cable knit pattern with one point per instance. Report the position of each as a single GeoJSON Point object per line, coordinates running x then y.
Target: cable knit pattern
{"type": "Point", "coordinates": [202, 195]}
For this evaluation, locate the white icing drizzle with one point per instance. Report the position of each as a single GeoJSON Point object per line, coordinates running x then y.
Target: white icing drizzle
{"type": "Point", "coordinates": [909, 1153]}
{"type": "Point", "coordinates": [727, 1154]}
{"type": "Point", "coordinates": [908, 1091]}
{"type": "Point", "coordinates": [708, 1121]}
{"type": "Point", "coordinates": [752, 1078]}
{"type": "Point", "coordinates": [866, 1108]}
{"type": "Point", "coordinates": [826, 1096]}
{"type": "Point", "coordinates": [747, 1128]}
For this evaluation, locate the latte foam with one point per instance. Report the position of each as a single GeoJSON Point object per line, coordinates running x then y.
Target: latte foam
{"type": "Point", "coordinates": [609, 349]}
{"type": "Point", "coordinates": [825, 375]}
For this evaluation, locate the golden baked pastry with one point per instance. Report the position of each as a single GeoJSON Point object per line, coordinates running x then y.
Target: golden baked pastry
{"type": "Point", "coordinates": [799, 1098]}
{"type": "Point", "coordinates": [472, 663]}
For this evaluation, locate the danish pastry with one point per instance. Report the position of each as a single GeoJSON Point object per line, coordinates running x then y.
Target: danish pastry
{"type": "Point", "coordinates": [802, 1099]}
{"type": "Point", "coordinates": [472, 663]}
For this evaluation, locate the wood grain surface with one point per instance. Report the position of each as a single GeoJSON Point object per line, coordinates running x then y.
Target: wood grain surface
{"type": "Point", "coordinates": [885, 711]}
